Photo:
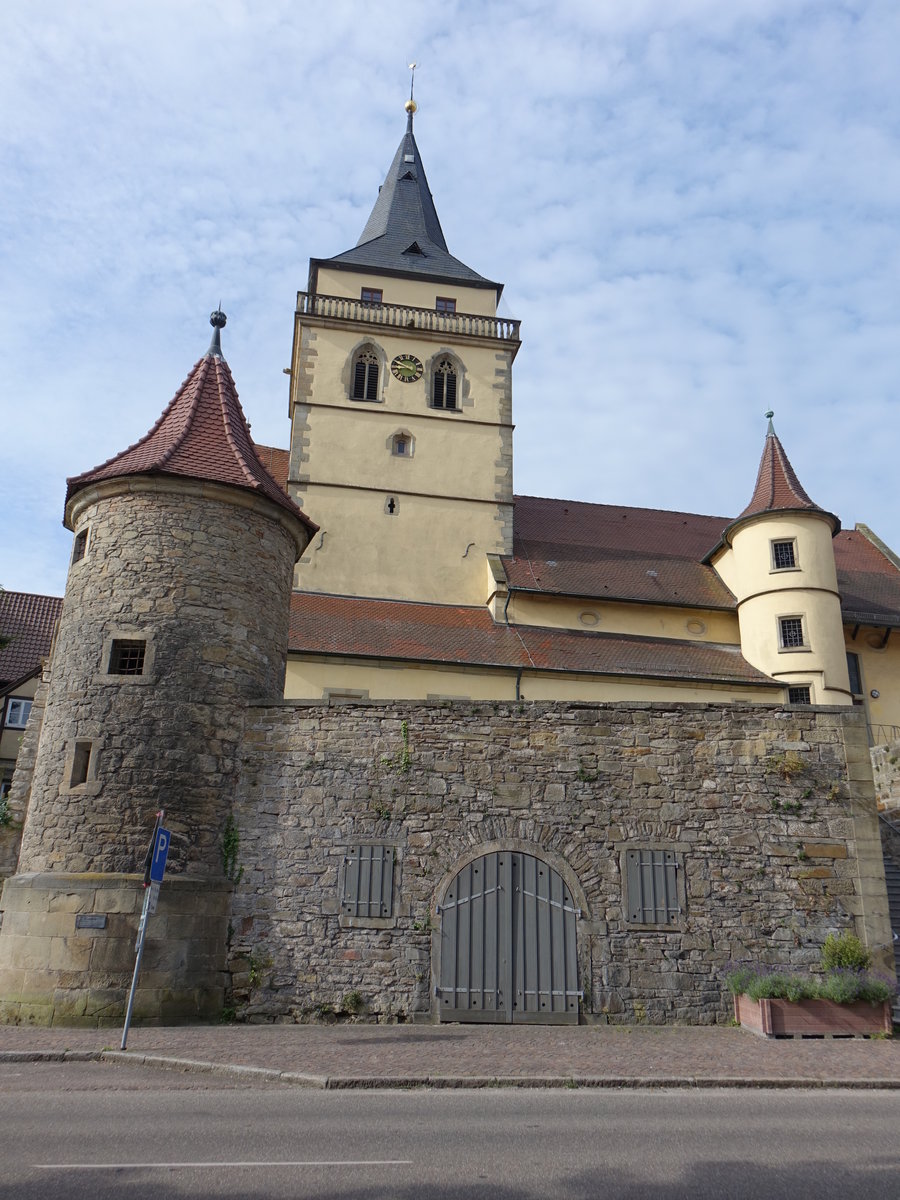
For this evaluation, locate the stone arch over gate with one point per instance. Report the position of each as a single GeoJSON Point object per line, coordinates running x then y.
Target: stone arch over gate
{"type": "Point", "coordinates": [509, 942]}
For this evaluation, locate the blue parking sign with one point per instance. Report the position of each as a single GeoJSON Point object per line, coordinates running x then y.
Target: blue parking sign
{"type": "Point", "coordinates": [160, 853]}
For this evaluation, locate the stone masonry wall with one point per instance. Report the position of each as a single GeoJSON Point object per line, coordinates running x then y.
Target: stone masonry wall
{"type": "Point", "coordinates": [202, 573]}
{"type": "Point", "coordinates": [772, 811]}
{"type": "Point", "coordinates": [886, 768]}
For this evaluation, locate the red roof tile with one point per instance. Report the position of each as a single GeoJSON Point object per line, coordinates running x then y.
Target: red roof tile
{"type": "Point", "coordinates": [29, 622]}
{"type": "Point", "coordinates": [777, 485]}
{"type": "Point", "coordinates": [868, 581]}
{"type": "Point", "coordinates": [202, 434]}
{"type": "Point", "coordinates": [276, 463]}
{"type": "Point", "coordinates": [640, 554]}
{"type": "Point", "coordinates": [438, 633]}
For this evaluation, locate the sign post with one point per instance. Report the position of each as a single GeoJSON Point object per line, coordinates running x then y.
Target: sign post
{"type": "Point", "coordinates": [154, 869]}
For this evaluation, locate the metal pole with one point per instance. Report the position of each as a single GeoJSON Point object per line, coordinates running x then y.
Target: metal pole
{"type": "Point", "coordinates": [142, 933]}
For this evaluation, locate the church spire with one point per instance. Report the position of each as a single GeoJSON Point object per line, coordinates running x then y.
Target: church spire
{"type": "Point", "coordinates": [403, 234]}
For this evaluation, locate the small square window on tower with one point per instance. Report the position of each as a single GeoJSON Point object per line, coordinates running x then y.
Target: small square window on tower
{"type": "Point", "coordinates": [784, 555]}
{"type": "Point", "coordinates": [127, 657]}
{"type": "Point", "coordinates": [790, 631]}
{"type": "Point", "coordinates": [445, 304]}
{"type": "Point", "coordinates": [371, 295]}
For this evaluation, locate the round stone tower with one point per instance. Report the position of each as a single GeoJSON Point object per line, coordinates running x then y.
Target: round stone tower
{"type": "Point", "coordinates": [175, 617]}
{"type": "Point", "coordinates": [778, 559]}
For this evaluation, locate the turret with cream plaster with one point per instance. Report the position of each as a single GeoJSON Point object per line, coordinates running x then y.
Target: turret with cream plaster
{"type": "Point", "coordinates": [778, 559]}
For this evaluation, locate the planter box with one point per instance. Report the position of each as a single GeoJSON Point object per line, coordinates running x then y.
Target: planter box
{"type": "Point", "coordinates": [813, 1018]}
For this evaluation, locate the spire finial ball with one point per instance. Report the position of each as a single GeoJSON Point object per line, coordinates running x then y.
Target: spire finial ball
{"type": "Point", "coordinates": [411, 106]}
{"type": "Point", "coordinates": [770, 414]}
{"type": "Point", "coordinates": [217, 319]}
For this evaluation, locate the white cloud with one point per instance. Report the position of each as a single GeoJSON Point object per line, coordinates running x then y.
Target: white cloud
{"type": "Point", "coordinates": [692, 205]}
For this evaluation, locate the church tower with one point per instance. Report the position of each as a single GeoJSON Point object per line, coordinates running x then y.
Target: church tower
{"type": "Point", "coordinates": [401, 408]}
{"type": "Point", "coordinates": [778, 559]}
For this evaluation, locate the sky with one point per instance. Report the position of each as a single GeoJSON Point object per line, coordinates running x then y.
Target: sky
{"type": "Point", "coordinates": [693, 207]}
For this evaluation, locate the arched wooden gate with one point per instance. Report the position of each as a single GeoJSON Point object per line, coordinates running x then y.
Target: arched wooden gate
{"type": "Point", "coordinates": [508, 947]}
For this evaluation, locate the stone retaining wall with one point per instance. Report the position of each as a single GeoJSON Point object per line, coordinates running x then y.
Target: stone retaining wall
{"type": "Point", "coordinates": [771, 811]}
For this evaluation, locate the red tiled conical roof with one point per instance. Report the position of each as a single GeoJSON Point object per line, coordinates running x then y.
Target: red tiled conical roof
{"type": "Point", "coordinates": [202, 434]}
{"type": "Point", "coordinates": [777, 485]}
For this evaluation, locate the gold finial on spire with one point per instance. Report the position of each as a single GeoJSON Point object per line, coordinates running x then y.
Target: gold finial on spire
{"type": "Point", "coordinates": [411, 105]}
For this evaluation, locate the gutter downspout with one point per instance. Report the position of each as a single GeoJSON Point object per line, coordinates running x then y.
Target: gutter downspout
{"type": "Point", "coordinates": [509, 592]}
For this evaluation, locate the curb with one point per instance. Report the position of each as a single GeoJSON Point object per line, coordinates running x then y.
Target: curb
{"type": "Point", "coordinates": [409, 1082]}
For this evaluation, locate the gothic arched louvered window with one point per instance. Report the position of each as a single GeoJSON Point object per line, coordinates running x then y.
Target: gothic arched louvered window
{"type": "Point", "coordinates": [445, 380]}
{"type": "Point", "coordinates": [365, 376]}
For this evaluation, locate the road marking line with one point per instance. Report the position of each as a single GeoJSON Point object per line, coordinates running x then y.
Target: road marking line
{"type": "Point", "coordinates": [133, 1166]}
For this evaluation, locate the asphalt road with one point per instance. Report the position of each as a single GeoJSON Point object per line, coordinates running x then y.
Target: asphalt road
{"type": "Point", "coordinates": [100, 1131]}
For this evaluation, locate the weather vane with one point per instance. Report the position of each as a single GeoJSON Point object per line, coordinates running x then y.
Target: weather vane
{"type": "Point", "coordinates": [411, 105]}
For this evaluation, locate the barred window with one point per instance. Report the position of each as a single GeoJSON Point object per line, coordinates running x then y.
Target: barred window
{"type": "Point", "coordinates": [799, 695]}
{"type": "Point", "coordinates": [443, 394]}
{"type": "Point", "coordinates": [791, 632]}
{"type": "Point", "coordinates": [127, 657]}
{"type": "Point", "coordinates": [365, 376]}
{"type": "Point", "coordinates": [783, 555]}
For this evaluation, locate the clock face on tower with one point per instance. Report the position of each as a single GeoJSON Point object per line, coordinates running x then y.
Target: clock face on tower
{"type": "Point", "coordinates": [406, 368]}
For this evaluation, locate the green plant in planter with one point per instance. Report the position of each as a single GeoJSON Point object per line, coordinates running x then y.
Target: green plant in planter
{"type": "Point", "coordinates": [845, 950]}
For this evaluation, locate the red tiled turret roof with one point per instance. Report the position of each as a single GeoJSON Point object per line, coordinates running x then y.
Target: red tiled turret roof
{"type": "Point", "coordinates": [29, 622]}
{"type": "Point", "coordinates": [777, 486]}
{"type": "Point", "coordinates": [202, 434]}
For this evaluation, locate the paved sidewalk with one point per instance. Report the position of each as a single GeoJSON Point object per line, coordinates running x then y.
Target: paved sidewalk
{"type": "Point", "coordinates": [358, 1055]}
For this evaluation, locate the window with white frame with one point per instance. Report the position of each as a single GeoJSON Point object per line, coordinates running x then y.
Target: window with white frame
{"type": "Point", "coordinates": [17, 712]}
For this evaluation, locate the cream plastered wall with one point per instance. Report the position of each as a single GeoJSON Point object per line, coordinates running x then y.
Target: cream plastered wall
{"type": "Point", "coordinates": [425, 550]}
{"type": "Point", "coordinates": [414, 526]}
{"type": "Point", "coordinates": [809, 590]}
{"type": "Point", "coordinates": [11, 739]}
{"type": "Point", "coordinates": [880, 671]}
{"type": "Point", "coordinates": [314, 679]}
{"type": "Point", "coordinates": [417, 293]}
{"type": "Point", "coordinates": [645, 620]}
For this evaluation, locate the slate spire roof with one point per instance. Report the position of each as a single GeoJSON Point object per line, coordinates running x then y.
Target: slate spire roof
{"type": "Point", "coordinates": [202, 434]}
{"type": "Point", "coordinates": [403, 234]}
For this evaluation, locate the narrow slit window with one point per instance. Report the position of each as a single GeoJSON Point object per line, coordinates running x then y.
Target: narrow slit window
{"type": "Point", "coordinates": [445, 381]}
{"type": "Point", "coordinates": [79, 549]}
{"type": "Point", "coordinates": [855, 673]}
{"type": "Point", "coordinates": [81, 761]}
{"type": "Point", "coordinates": [127, 657]}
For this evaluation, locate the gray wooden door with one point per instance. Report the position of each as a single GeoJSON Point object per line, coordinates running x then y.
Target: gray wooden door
{"type": "Point", "coordinates": [508, 950]}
